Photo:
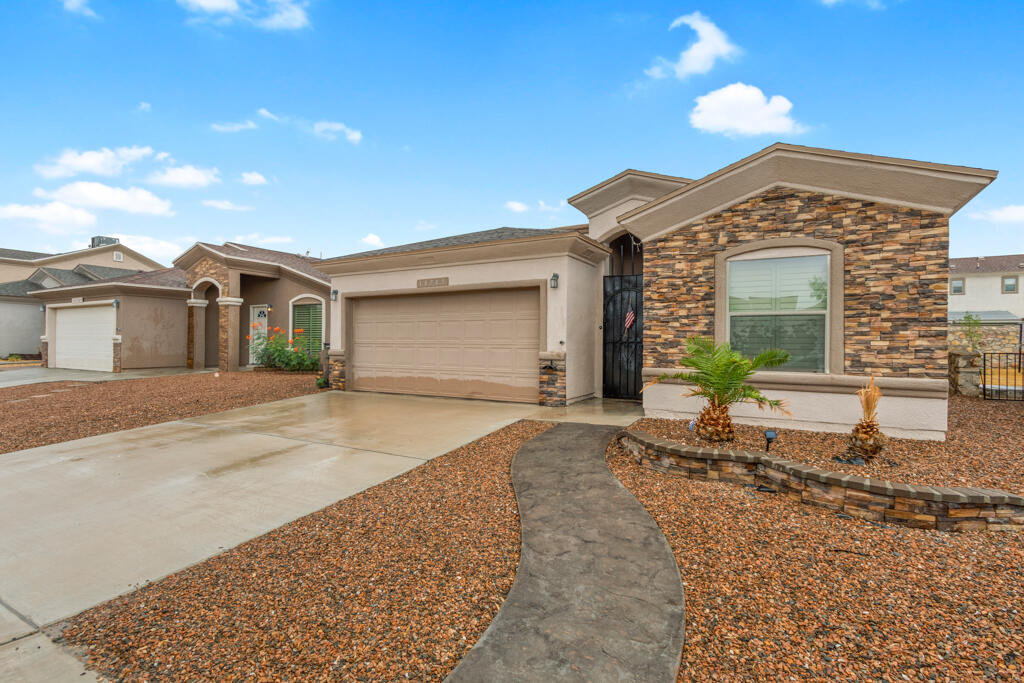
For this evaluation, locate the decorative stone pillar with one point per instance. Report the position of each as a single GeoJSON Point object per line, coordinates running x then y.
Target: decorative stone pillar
{"type": "Point", "coordinates": [965, 373]}
{"type": "Point", "coordinates": [227, 334]}
{"type": "Point", "coordinates": [117, 353]}
{"type": "Point", "coordinates": [552, 378]}
{"type": "Point", "coordinates": [336, 368]}
{"type": "Point", "coordinates": [196, 347]}
{"type": "Point", "coordinates": [43, 351]}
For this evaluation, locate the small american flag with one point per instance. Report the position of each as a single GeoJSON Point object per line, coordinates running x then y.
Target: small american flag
{"type": "Point", "coordinates": [630, 318]}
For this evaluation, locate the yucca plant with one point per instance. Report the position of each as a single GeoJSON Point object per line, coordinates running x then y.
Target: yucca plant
{"type": "Point", "coordinates": [720, 375]}
{"type": "Point", "coordinates": [866, 440]}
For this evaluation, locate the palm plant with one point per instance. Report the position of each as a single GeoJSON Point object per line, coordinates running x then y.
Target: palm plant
{"type": "Point", "coordinates": [720, 375]}
{"type": "Point", "coordinates": [866, 440]}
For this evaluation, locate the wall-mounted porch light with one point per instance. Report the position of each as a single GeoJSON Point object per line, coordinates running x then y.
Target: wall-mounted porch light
{"type": "Point", "coordinates": [334, 295]}
{"type": "Point", "coordinates": [117, 302]}
{"type": "Point", "coordinates": [554, 280]}
{"type": "Point", "coordinates": [270, 309]}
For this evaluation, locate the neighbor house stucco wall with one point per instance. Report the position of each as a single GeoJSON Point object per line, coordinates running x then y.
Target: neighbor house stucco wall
{"type": "Point", "coordinates": [277, 293]}
{"type": "Point", "coordinates": [153, 331]}
{"type": "Point", "coordinates": [984, 292]}
{"type": "Point", "coordinates": [104, 256]}
{"type": "Point", "coordinates": [21, 326]}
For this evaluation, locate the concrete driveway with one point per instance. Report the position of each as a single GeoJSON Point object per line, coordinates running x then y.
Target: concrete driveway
{"type": "Point", "coordinates": [15, 376]}
{"type": "Point", "coordinates": [88, 520]}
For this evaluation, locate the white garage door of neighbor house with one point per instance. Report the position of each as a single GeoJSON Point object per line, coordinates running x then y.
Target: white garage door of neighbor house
{"type": "Point", "coordinates": [466, 344]}
{"type": "Point", "coordinates": [85, 338]}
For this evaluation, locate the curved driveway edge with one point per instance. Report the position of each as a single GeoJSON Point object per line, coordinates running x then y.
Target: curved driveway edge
{"type": "Point", "coordinates": [597, 595]}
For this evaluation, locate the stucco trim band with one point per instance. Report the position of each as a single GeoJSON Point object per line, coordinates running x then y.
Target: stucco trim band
{"type": "Point", "coordinates": [201, 303]}
{"type": "Point", "coordinates": [230, 300]}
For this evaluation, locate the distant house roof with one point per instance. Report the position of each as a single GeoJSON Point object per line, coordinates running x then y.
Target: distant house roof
{"type": "Point", "coordinates": [23, 255]}
{"type": "Point", "coordinates": [303, 264]}
{"type": "Point", "coordinates": [165, 277]}
{"type": "Point", "coordinates": [986, 264]}
{"type": "Point", "coordinates": [17, 288]}
{"type": "Point", "coordinates": [495, 235]}
{"type": "Point", "coordinates": [985, 316]}
{"type": "Point", "coordinates": [101, 272]}
{"type": "Point", "coordinates": [65, 276]}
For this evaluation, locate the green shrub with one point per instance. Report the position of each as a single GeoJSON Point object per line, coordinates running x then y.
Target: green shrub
{"type": "Point", "coordinates": [277, 350]}
{"type": "Point", "coordinates": [322, 382]}
{"type": "Point", "coordinates": [14, 356]}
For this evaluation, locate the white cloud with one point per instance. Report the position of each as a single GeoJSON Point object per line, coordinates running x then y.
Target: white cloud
{"type": "Point", "coordinates": [1012, 213]}
{"type": "Point", "coordinates": [253, 178]}
{"type": "Point", "coordinates": [211, 6]}
{"type": "Point", "coordinates": [871, 4]}
{"type": "Point", "coordinates": [258, 239]}
{"type": "Point", "coordinates": [372, 240]}
{"type": "Point", "coordinates": [104, 161]}
{"type": "Point", "coordinates": [518, 207]}
{"type": "Point", "coordinates": [423, 226]}
{"type": "Point", "coordinates": [265, 113]}
{"type": "Point", "coordinates": [233, 127]}
{"type": "Point", "coordinates": [164, 156]}
{"type": "Point", "coordinates": [145, 106]}
{"type": "Point", "coordinates": [548, 208]}
{"type": "Point", "coordinates": [79, 7]}
{"type": "Point", "coordinates": [99, 196]}
{"type": "Point", "coordinates": [711, 45]}
{"type": "Point", "coordinates": [161, 250]}
{"type": "Point", "coordinates": [56, 217]}
{"type": "Point", "coordinates": [286, 15]}
{"type": "Point", "coordinates": [329, 131]}
{"type": "Point", "coordinates": [225, 205]}
{"type": "Point", "coordinates": [185, 176]}
{"type": "Point", "coordinates": [741, 109]}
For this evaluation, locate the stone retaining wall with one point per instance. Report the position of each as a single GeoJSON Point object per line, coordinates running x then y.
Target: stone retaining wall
{"type": "Point", "coordinates": [923, 507]}
{"type": "Point", "coordinates": [995, 338]}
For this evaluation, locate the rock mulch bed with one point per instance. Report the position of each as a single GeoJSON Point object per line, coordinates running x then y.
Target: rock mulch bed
{"type": "Point", "coordinates": [39, 414]}
{"type": "Point", "coordinates": [776, 591]}
{"type": "Point", "coordinates": [395, 583]}
{"type": "Point", "coordinates": [982, 448]}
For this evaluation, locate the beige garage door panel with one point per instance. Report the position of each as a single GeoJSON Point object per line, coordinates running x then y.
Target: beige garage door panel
{"type": "Point", "coordinates": [85, 338]}
{"type": "Point", "coordinates": [469, 344]}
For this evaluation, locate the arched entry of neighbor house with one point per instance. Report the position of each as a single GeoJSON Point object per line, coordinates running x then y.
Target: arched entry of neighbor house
{"type": "Point", "coordinates": [623, 319]}
{"type": "Point", "coordinates": [210, 290]}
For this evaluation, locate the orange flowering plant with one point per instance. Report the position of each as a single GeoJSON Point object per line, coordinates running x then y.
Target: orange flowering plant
{"type": "Point", "coordinates": [277, 351]}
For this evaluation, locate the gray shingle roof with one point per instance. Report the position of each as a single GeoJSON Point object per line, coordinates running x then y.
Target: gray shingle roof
{"type": "Point", "coordinates": [165, 277]}
{"type": "Point", "coordinates": [101, 272]}
{"type": "Point", "coordinates": [64, 276]}
{"type": "Point", "coordinates": [1006, 263]}
{"type": "Point", "coordinates": [495, 235]}
{"type": "Point", "coordinates": [303, 264]}
{"type": "Point", "coordinates": [22, 255]}
{"type": "Point", "coordinates": [18, 288]}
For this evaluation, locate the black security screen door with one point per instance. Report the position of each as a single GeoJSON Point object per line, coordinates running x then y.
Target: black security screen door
{"type": "Point", "coordinates": [623, 335]}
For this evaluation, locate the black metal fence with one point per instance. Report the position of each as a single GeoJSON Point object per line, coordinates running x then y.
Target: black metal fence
{"type": "Point", "coordinates": [1001, 376]}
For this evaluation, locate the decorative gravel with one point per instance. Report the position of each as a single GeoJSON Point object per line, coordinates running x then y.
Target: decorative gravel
{"type": "Point", "coordinates": [984, 447]}
{"type": "Point", "coordinates": [51, 412]}
{"type": "Point", "coordinates": [777, 591]}
{"type": "Point", "coordinates": [394, 583]}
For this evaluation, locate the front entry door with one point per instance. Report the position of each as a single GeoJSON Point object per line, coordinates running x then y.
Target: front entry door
{"type": "Point", "coordinates": [257, 328]}
{"type": "Point", "coordinates": [623, 336]}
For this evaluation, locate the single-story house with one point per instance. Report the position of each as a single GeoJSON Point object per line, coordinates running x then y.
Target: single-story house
{"type": "Point", "coordinates": [22, 272]}
{"type": "Point", "coordinates": [839, 258]}
{"type": "Point", "coordinates": [186, 316]}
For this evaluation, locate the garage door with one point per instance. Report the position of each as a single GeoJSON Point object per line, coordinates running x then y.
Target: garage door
{"type": "Point", "coordinates": [468, 344]}
{"type": "Point", "coordinates": [85, 338]}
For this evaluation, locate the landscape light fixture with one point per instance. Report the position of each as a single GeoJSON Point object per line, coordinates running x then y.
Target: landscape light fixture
{"type": "Point", "coordinates": [769, 437]}
{"type": "Point", "coordinates": [334, 295]}
{"type": "Point", "coordinates": [554, 280]}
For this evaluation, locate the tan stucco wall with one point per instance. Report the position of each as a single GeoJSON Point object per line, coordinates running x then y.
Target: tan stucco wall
{"type": "Point", "coordinates": [603, 225]}
{"type": "Point", "coordinates": [20, 271]}
{"type": "Point", "coordinates": [984, 292]}
{"type": "Point", "coordinates": [277, 292]}
{"type": "Point", "coordinates": [574, 285]}
{"type": "Point", "coordinates": [153, 332]}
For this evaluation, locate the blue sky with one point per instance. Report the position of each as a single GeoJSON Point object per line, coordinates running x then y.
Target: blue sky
{"type": "Point", "coordinates": [358, 124]}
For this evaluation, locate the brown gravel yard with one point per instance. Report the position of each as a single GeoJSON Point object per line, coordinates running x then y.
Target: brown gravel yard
{"type": "Point", "coordinates": [778, 591]}
{"type": "Point", "coordinates": [394, 583]}
{"type": "Point", "coordinates": [984, 447]}
{"type": "Point", "coordinates": [52, 412]}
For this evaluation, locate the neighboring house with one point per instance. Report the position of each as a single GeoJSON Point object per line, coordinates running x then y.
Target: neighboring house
{"type": "Point", "coordinates": [187, 315]}
{"type": "Point", "coordinates": [22, 272]}
{"type": "Point", "coordinates": [838, 258]}
{"type": "Point", "coordinates": [986, 284]}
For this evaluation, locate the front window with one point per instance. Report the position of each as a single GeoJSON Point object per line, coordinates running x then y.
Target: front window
{"type": "Point", "coordinates": [956, 286]}
{"type": "Point", "coordinates": [1010, 284]}
{"type": "Point", "coordinates": [309, 319]}
{"type": "Point", "coordinates": [781, 303]}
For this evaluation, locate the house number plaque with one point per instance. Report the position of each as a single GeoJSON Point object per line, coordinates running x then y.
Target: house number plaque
{"type": "Point", "coordinates": [433, 282]}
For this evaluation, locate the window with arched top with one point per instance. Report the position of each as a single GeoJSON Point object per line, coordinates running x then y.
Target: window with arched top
{"type": "Point", "coordinates": [783, 294]}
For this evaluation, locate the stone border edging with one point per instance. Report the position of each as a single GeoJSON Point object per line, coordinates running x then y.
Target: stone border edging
{"type": "Point", "coordinates": [926, 507]}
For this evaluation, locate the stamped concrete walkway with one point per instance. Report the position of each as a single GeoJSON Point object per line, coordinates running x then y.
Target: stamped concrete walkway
{"type": "Point", "coordinates": [597, 595]}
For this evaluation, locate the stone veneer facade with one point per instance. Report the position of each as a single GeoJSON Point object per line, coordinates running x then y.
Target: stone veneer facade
{"type": "Point", "coordinates": [44, 353]}
{"type": "Point", "coordinates": [117, 356]}
{"type": "Point", "coordinates": [209, 268]}
{"type": "Point", "coordinates": [896, 269]}
{"type": "Point", "coordinates": [552, 379]}
{"type": "Point", "coordinates": [923, 507]}
{"type": "Point", "coordinates": [336, 369]}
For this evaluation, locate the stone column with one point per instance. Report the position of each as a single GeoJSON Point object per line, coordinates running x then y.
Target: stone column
{"type": "Point", "coordinates": [336, 368]}
{"type": "Point", "coordinates": [196, 348]}
{"type": "Point", "coordinates": [43, 350]}
{"type": "Point", "coordinates": [552, 379]}
{"type": "Point", "coordinates": [227, 334]}
{"type": "Point", "coordinates": [117, 353]}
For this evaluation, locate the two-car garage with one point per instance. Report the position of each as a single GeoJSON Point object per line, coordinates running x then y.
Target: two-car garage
{"type": "Point", "coordinates": [474, 344]}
